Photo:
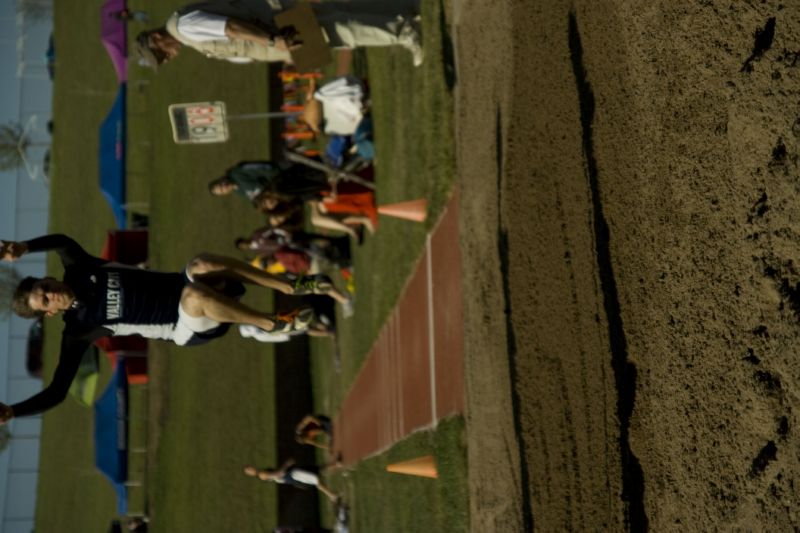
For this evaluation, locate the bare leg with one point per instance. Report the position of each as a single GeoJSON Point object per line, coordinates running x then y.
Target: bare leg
{"type": "Point", "coordinates": [220, 267]}
{"type": "Point", "coordinates": [262, 474]}
{"type": "Point", "coordinates": [322, 284]}
{"type": "Point", "coordinates": [332, 496]}
{"type": "Point", "coordinates": [214, 267]}
{"type": "Point", "coordinates": [319, 332]}
{"type": "Point", "coordinates": [336, 295]}
{"type": "Point", "coordinates": [321, 220]}
{"type": "Point", "coordinates": [362, 221]}
{"type": "Point", "coordinates": [199, 300]}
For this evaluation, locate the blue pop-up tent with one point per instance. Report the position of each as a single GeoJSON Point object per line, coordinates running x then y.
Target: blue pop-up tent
{"type": "Point", "coordinates": [113, 137]}
{"type": "Point", "coordinates": [111, 435]}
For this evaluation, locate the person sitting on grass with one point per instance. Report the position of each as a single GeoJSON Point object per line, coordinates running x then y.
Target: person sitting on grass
{"type": "Point", "coordinates": [297, 250]}
{"type": "Point", "coordinates": [281, 191]}
{"type": "Point", "coordinates": [100, 299]}
{"type": "Point", "coordinates": [314, 430]}
{"type": "Point", "coordinates": [289, 474]}
{"type": "Point", "coordinates": [344, 206]}
{"type": "Point", "coordinates": [249, 179]}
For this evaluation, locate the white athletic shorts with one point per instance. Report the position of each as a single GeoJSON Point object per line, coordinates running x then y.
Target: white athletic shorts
{"type": "Point", "coordinates": [187, 325]}
{"type": "Point", "coordinates": [304, 476]}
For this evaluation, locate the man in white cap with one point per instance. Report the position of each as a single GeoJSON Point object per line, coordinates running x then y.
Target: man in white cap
{"type": "Point", "coordinates": [233, 31]}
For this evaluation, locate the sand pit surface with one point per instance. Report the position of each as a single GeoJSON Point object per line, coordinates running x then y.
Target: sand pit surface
{"type": "Point", "coordinates": [630, 213]}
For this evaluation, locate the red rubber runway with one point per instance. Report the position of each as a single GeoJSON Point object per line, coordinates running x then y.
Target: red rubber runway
{"type": "Point", "coordinates": [414, 374]}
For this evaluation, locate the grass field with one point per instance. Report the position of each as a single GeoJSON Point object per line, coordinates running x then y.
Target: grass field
{"type": "Point", "coordinates": [410, 503]}
{"type": "Point", "coordinates": [211, 409]}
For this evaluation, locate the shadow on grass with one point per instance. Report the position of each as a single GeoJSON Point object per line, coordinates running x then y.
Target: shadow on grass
{"type": "Point", "coordinates": [292, 402]}
{"type": "Point", "coordinates": [448, 52]}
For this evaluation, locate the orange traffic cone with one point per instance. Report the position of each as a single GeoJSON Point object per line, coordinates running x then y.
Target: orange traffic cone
{"type": "Point", "coordinates": [421, 466]}
{"type": "Point", "coordinates": [415, 210]}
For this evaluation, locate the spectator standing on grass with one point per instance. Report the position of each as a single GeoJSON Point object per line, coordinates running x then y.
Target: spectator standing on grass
{"type": "Point", "coordinates": [99, 299]}
{"type": "Point", "coordinates": [235, 32]}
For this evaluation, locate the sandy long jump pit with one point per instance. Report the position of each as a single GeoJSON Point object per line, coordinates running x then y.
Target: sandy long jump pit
{"type": "Point", "coordinates": [630, 243]}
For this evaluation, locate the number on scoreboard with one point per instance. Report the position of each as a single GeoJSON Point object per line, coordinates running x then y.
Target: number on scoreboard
{"type": "Point", "coordinates": [202, 122]}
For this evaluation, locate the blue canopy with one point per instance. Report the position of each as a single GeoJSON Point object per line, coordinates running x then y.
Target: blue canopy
{"type": "Point", "coordinates": [113, 135]}
{"type": "Point", "coordinates": [111, 435]}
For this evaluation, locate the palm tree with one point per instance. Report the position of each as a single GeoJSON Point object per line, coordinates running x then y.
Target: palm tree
{"type": "Point", "coordinates": [5, 438]}
{"type": "Point", "coordinates": [14, 141]}
{"type": "Point", "coordinates": [35, 10]}
{"type": "Point", "coordinates": [9, 279]}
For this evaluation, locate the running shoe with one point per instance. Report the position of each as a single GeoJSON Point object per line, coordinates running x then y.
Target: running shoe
{"type": "Point", "coordinates": [410, 38]}
{"type": "Point", "coordinates": [305, 316]}
{"type": "Point", "coordinates": [296, 320]}
{"type": "Point", "coordinates": [316, 284]}
{"type": "Point", "coordinates": [347, 308]}
{"type": "Point", "coordinates": [284, 323]}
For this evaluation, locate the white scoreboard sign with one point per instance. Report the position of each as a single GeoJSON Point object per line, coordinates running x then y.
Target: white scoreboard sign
{"type": "Point", "coordinates": [201, 122]}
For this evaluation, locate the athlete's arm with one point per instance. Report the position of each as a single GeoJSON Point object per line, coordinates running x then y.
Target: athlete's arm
{"type": "Point", "coordinates": [71, 252]}
{"type": "Point", "coordinates": [12, 250]}
{"type": "Point", "coordinates": [72, 350]}
{"type": "Point", "coordinates": [6, 413]}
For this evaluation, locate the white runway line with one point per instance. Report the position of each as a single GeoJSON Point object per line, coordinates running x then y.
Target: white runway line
{"type": "Point", "coordinates": [431, 330]}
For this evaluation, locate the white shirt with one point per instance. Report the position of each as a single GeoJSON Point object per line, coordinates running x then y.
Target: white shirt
{"type": "Point", "coordinates": [342, 105]}
{"type": "Point", "coordinates": [201, 26]}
